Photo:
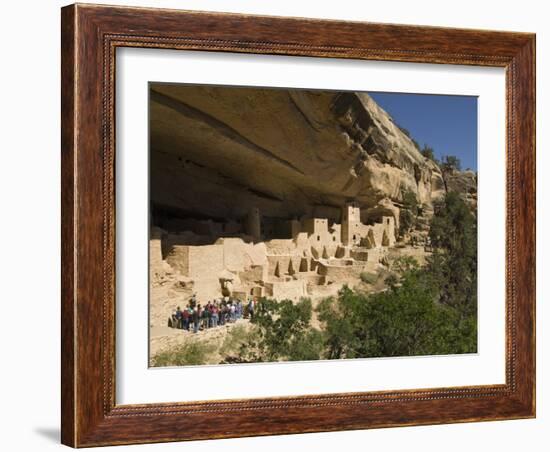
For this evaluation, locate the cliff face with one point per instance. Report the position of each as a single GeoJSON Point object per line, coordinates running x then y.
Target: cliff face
{"type": "Point", "coordinates": [217, 151]}
{"type": "Point", "coordinates": [464, 183]}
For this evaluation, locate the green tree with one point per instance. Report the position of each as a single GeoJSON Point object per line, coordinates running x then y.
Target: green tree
{"type": "Point", "coordinates": [453, 235]}
{"type": "Point", "coordinates": [408, 213]}
{"type": "Point", "coordinates": [406, 221]}
{"type": "Point", "coordinates": [307, 346]}
{"type": "Point", "coordinates": [283, 331]}
{"type": "Point", "coordinates": [450, 163]}
{"type": "Point", "coordinates": [405, 320]}
{"type": "Point", "coordinates": [428, 152]}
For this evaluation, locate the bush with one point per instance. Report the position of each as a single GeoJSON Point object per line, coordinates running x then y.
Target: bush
{"type": "Point", "coordinates": [240, 345]}
{"type": "Point", "coordinates": [368, 278]}
{"type": "Point", "coordinates": [404, 264]}
{"type": "Point", "coordinates": [236, 336]}
{"type": "Point", "coordinates": [190, 354]}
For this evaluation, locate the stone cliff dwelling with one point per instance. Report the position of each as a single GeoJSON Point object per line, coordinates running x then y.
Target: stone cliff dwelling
{"type": "Point", "coordinates": [283, 193]}
{"type": "Point", "coordinates": [283, 259]}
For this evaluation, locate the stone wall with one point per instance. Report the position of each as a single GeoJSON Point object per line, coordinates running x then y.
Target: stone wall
{"type": "Point", "coordinates": [280, 265]}
{"type": "Point", "coordinates": [254, 274]}
{"type": "Point", "coordinates": [234, 258]}
{"type": "Point", "coordinates": [197, 261]}
{"type": "Point", "coordinates": [280, 246]}
{"type": "Point", "coordinates": [319, 233]}
{"type": "Point", "coordinates": [290, 290]}
{"type": "Point", "coordinates": [340, 273]}
{"type": "Point", "coordinates": [384, 233]}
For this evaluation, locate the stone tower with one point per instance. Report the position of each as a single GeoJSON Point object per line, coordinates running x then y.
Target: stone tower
{"type": "Point", "coordinates": [351, 222]}
{"type": "Point", "coordinates": [253, 222]}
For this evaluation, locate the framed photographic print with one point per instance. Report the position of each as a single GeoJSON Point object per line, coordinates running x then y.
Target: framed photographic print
{"type": "Point", "coordinates": [281, 225]}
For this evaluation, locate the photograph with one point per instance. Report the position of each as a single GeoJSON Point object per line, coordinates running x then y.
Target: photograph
{"type": "Point", "coordinates": [292, 224]}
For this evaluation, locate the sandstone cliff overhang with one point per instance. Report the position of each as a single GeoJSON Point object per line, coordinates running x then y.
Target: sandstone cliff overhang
{"type": "Point", "coordinates": [217, 151]}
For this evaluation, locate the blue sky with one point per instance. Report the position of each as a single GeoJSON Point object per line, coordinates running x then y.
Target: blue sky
{"type": "Point", "coordinates": [446, 123]}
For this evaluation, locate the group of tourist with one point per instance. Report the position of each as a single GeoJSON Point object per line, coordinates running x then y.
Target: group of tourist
{"type": "Point", "coordinates": [195, 317]}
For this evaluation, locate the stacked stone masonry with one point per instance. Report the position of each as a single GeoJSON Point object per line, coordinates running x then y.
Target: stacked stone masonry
{"type": "Point", "coordinates": [241, 260]}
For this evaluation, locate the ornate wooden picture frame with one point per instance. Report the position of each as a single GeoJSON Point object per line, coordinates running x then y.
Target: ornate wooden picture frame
{"type": "Point", "coordinates": [90, 37]}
